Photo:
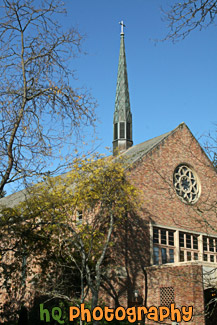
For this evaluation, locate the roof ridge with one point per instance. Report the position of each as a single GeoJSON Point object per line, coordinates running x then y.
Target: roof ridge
{"type": "Point", "coordinates": [153, 144]}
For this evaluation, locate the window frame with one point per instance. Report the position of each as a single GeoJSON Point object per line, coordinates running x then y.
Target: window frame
{"type": "Point", "coordinates": [189, 252]}
{"type": "Point", "coordinates": [184, 247]}
{"type": "Point", "coordinates": [208, 252]}
{"type": "Point", "coordinates": [122, 130]}
{"type": "Point", "coordinates": [79, 217]}
{"type": "Point", "coordinates": [162, 246]}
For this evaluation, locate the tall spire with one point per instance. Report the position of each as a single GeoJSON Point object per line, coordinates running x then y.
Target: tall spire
{"type": "Point", "coordinates": [122, 123]}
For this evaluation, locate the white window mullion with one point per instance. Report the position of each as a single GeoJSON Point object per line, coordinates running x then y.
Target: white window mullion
{"type": "Point", "coordinates": [177, 248]}
{"type": "Point", "coordinates": [200, 247]}
{"type": "Point", "coordinates": [151, 244]}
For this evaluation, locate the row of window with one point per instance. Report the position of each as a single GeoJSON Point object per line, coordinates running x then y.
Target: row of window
{"type": "Point", "coordinates": [164, 247]}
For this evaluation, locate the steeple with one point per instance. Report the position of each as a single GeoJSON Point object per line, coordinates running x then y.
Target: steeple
{"type": "Point", "coordinates": [122, 123]}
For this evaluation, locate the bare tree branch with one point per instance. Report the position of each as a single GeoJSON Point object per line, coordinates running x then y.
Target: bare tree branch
{"type": "Point", "coordinates": [40, 111]}
{"type": "Point", "coordinates": [186, 15]}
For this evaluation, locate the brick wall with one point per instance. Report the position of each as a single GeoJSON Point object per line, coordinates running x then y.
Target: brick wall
{"type": "Point", "coordinates": [153, 175]}
{"type": "Point", "coordinates": [187, 283]}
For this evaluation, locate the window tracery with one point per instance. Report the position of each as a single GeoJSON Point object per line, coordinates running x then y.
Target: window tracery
{"type": "Point", "coordinates": [186, 184]}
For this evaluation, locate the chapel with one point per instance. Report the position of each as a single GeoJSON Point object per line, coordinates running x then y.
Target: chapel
{"type": "Point", "coordinates": [165, 254]}
{"type": "Point", "coordinates": [169, 250]}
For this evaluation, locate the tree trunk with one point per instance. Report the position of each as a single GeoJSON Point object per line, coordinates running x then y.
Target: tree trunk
{"type": "Point", "coordinates": [94, 302]}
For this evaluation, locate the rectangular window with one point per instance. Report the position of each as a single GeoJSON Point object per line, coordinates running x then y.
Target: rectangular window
{"type": "Point", "coordinates": [128, 131]}
{"type": "Point", "coordinates": [181, 256]}
{"type": "Point", "coordinates": [163, 241]}
{"type": "Point", "coordinates": [188, 244]}
{"type": "Point", "coordinates": [164, 255]}
{"type": "Point", "coordinates": [163, 237]}
{"type": "Point", "coordinates": [171, 238]}
{"type": "Point", "coordinates": [171, 254]}
{"type": "Point", "coordinates": [116, 131]}
{"type": "Point", "coordinates": [205, 243]}
{"type": "Point", "coordinates": [122, 130]}
{"type": "Point", "coordinates": [209, 249]}
{"type": "Point", "coordinates": [181, 240]}
{"type": "Point", "coordinates": [188, 247]}
{"type": "Point", "coordinates": [155, 236]}
{"type": "Point", "coordinates": [196, 256]}
{"type": "Point", "coordinates": [188, 256]}
{"type": "Point", "coordinates": [195, 242]}
{"type": "Point", "coordinates": [188, 240]}
{"type": "Point", "coordinates": [211, 245]}
{"type": "Point", "coordinates": [156, 255]}
{"type": "Point", "coordinates": [79, 217]}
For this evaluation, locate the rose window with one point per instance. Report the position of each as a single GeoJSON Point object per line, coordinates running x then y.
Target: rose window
{"type": "Point", "coordinates": [186, 184]}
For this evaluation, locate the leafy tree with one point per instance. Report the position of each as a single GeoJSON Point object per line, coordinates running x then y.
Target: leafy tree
{"type": "Point", "coordinates": [39, 109]}
{"type": "Point", "coordinates": [72, 253]}
{"type": "Point", "coordinates": [186, 15]}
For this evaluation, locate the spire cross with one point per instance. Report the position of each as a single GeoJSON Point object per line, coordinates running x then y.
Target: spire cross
{"type": "Point", "coordinates": [122, 26]}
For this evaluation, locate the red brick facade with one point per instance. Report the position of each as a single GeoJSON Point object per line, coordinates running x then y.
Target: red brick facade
{"type": "Point", "coordinates": [162, 208]}
{"type": "Point", "coordinates": [186, 233]}
{"type": "Point", "coordinates": [154, 176]}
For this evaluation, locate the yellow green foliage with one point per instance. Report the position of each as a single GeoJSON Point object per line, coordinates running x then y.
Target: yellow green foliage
{"type": "Point", "coordinates": [96, 186]}
{"type": "Point", "coordinates": [46, 223]}
{"type": "Point", "coordinates": [91, 186]}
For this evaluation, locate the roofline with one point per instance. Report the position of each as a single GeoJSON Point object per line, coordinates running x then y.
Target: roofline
{"type": "Point", "coordinates": [168, 134]}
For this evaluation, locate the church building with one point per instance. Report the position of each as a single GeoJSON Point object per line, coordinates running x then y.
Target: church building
{"type": "Point", "coordinates": [164, 254]}
{"type": "Point", "coordinates": [170, 249]}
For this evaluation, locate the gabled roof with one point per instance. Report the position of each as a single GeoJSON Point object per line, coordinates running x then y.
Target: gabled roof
{"type": "Point", "coordinates": [14, 199]}
{"type": "Point", "coordinates": [140, 150]}
{"type": "Point", "coordinates": [132, 155]}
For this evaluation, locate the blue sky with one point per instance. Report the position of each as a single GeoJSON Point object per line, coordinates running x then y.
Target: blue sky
{"type": "Point", "coordinates": [168, 83]}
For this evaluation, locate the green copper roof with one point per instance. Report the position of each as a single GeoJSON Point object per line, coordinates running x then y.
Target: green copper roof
{"type": "Point", "coordinates": [122, 100]}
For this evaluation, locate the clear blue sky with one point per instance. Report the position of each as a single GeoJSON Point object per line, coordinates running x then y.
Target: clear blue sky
{"type": "Point", "coordinates": [168, 83]}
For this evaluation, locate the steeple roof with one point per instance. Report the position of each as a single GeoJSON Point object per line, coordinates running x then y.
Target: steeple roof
{"type": "Point", "coordinates": [122, 100]}
{"type": "Point", "coordinates": [122, 123]}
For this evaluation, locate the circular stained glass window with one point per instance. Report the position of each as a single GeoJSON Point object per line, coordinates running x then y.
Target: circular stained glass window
{"type": "Point", "coordinates": [186, 184]}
